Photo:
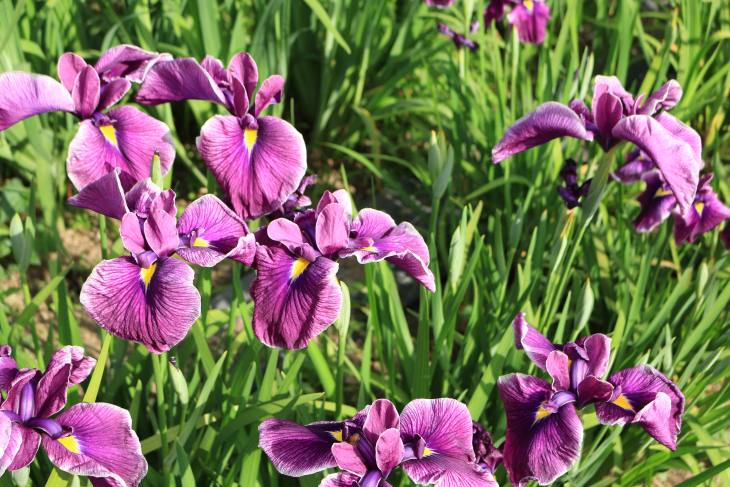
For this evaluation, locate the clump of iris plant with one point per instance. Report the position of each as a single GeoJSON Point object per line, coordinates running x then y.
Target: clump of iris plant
{"type": "Point", "coordinates": [295, 292]}
{"type": "Point", "coordinates": [94, 440]}
{"type": "Point", "coordinates": [123, 137]}
{"type": "Point", "coordinates": [544, 432]}
{"type": "Point", "coordinates": [148, 296]}
{"type": "Point", "coordinates": [431, 441]}
{"type": "Point", "coordinates": [460, 40]}
{"type": "Point", "coordinates": [529, 17]}
{"type": "Point", "coordinates": [616, 116]}
{"type": "Point", "coordinates": [571, 192]}
{"type": "Point", "coordinates": [257, 160]}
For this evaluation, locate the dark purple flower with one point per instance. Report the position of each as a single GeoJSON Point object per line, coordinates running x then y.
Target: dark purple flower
{"type": "Point", "coordinates": [258, 161]}
{"type": "Point", "coordinates": [92, 440]}
{"type": "Point", "coordinates": [637, 164]}
{"type": "Point", "coordinates": [675, 148]}
{"type": "Point", "coordinates": [154, 290]}
{"type": "Point", "coordinates": [530, 18]}
{"type": "Point", "coordinates": [296, 293]}
{"type": "Point", "coordinates": [544, 432]}
{"type": "Point", "coordinates": [494, 12]}
{"type": "Point", "coordinates": [459, 39]}
{"type": "Point", "coordinates": [439, 3]}
{"type": "Point", "coordinates": [487, 455]}
{"type": "Point", "coordinates": [571, 192]}
{"type": "Point", "coordinates": [123, 137]}
{"type": "Point", "coordinates": [657, 202]}
{"type": "Point", "coordinates": [706, 213]}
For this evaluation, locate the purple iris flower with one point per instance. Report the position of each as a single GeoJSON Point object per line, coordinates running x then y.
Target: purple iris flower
{"type": "Point", "coordinates": [296, 201]}
{"type": "Point", "coordinates": [544, 433]}
{"type": "Point", "coordinates": [674, 147]}
{"type": "Point", "coordinates": [123, 137]}
{"type": "Point", "coordinates": [440, 3]}
{"type": "Point", "coordinates": [706, 213]}
{"type": "Point", "coordinates": [258, 161]}
{"type": "Point", "coordinates": [571, 192]}
{"type": "Point", "coordinates": [296, 293]}
{"type": "Point", "coordinates": [529, 17]}
{"type": "Point", "coordinates": [459, 39]}
{"type": "Point", "coordinates": [657, 202]}
{"type": "Point", "coordinates": [92, 440]}
{"type": "Point", "coordinates": [431, 441]}
{"type": "Point", "coordinates": [155, 290]}
{"type": "Point", "coordinates": [487, 455]}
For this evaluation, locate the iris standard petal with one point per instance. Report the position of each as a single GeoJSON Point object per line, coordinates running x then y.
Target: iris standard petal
{"type": "Point", "coordinates": [141, 196]}
{"type": "Point", "coordinates": [269, 93]}
{"type": "Point", "coordinates": [102, 445]}
{"type": "Point", "coordinates": [243, 67]}
{"type": "Point", "coordinates": [129, 62]}
{"type": "Point", "coordinates": [240, 99]}
{"type": "Point", "coordinates": [332, 229]}
{"type": "Point", "coordinates": [29, 441]}
{"type": "Point", "coordinates": [112, 92]}
{"type": "Point", "coordinates": [23, 95]}
{"type": "Point", "coordinates": [296, 299]}
{"type": "Point", "coordinates": [155, 307]}
{"type": "Point", "coordinates": [8, 368]}
{"type": "Point", "coordinates": [258, 169]}
{"type": "Point", "coordinates": [530, 19]}
{"type": "Point", "coordinates": [636, 389]}
{"type": "Point", "coordinates": [297, 450]}
{"type": "Point", "coordinates": [160, 233]}
{"type": "Point", "coordinates": [382, 416]}
{"type": "Point", "coordinates": [69, 66]}
{"type": "Point", "coordinates": [131, 233]}
{"type": "Point", "coordinates": [592, 389]}
{"type": "Point", "coordinates": [86, 92]}
{"type": "Point", "coordinates": [530, 340]}
{"type": "Point", "coordinates": [178, 80]}
{"type": "Point", "coordinates": [219, 233]}
{"type": "Point", "coordinates": [81, 365]}
{"type": "Point", "coordinates": [50, 395]}
{"type": "Point", "coordinates": [349, 458]}
{"type": "Point", "coordinates": [128, 141]}
{"type": "Point", "coordinates": [598, 351]}
{"type": "Point", "coordinates": [557, 365]}
{"type": "Point", "coordinates": [389, 451]}
{"type": "Point", "coordinates": [607, 112]}
{"type": "Point", "coordinates": [104, 196]}
{"type": "Point", "coordinates": [287, 232]}
{"type": "Point", "coordinates": [673, 156]}
{"type": "Point", "coordinates": [10, 441]}
{"type": "Point", "coordinates": [545, 123]}
{"type": "Point", "coordinates": [665, 98]}
{"type": "Point", "coordinates": [540, 445]}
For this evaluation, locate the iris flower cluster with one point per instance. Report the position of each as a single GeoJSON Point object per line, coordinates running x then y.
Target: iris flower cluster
{"type": "Point", "coordinates": [544, 432]}
{"type": "Point", "coordinates": [432, 441]}
{"type": "Point", "coordinates": [94, 440]}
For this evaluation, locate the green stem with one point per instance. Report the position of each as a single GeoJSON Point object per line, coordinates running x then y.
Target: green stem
{"type": "Point", "coordinates": [102, 236]}
{"type": "Point", "coordinates": [161, 414]}
{"type": "Point", "coordinates": [33, 332]}
{"type": "Point", "coordinates": [340, 376]}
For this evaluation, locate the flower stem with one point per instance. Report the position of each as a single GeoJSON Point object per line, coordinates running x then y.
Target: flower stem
{"type": "Point", "coordinates": [102, 236]}
{"type": "Point", "coordinates": [161, 414]}
{"type": "Point", "coordinates": [33, 332]}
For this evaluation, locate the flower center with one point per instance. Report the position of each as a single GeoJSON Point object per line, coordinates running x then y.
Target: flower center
{"type": "Point", "coordinates": [699, 207]}
{"type": "Point", "coordinates": [663, 192]}
{"type": "Point", "coordinates": [70, 443]}
{"type": "Point", "coordinates": [530, 6]}
{"type": "Point", "coordinates": [622, 402]}
{"type": "Point", "coordinates": [299, 266]}
{"type": "Point", "coordinates": [110, 134]}
{"type": "Point", "coordinates": [249, 137]}
{"type": "Point", "coordinates": [146, 275]}
{"type": "Point", "coordinates": [199, 242]}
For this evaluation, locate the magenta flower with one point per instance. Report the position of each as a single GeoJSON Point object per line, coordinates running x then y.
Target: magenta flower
{"type": "Point", "coordinates": [706, 213]}
{"type": "Point", "coordinates": [460, 40]}
{"type": "Point", "coordinates": [529, 17]}
{"type": "Point", "coordinates": [488, 456]}
{"type": "Point", "coordinates": [544, 433]}
{"type": "Point", "coordinates": [431, 441]}
{"type": "Point", "coordinates": [296, 293]}
{"type": "Point", "coordinates": [153, 289]}
{"type": "Point", "coordinates": [122, 137]}
{"type": "Point", "coordinates": [440, 3]}
{"type": "Point", "coordinates": [674, 147]}
{"type": "Point", "coordinates": [92, 440]}
{"type": "Point", "coordinates": [258, 161]}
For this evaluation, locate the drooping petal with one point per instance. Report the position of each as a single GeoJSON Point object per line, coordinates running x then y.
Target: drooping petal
{"type": "Point", "coordinates": [243, 67]}
{"type": "Point", "coordinates": [155, 307]}
{"type": "Point", "coordinates": [530, 20]}
{"type": "Point", "coordinates": [545, 123]}
{"type": "Point", "coordinates": [297, 450]}
{"type": "Point", "coordinates": [104, 196]}
{"type": "Point", "coordinates": [8, 368]}
{"type": "Point", "coordinates": [131, 233]}
{"type": "Point", "coordinates": [591, 389]}
{"type": "Point", "coordinates": [219, 233]}
{"type": "Point", "coordinates": [160, 233]}
{"type": "Point", "coordinates": [487, 455]}
{"type": "Point", "coordinates": [81, 365]}
{"type": "Point", "coordinates": [684, 132]}
{"type": "Point", "coordinates": [540, 445]}
{"type": "Point", "coordinates": [102, 445]}
{"type": "Point", "coordinates": [530, 340]}
{"type": "Point", "coordinates": [51, 391]}
{"type": "Point", "coordinates": [598, 351]}
{"type": "Point", "coordinates": [557, 365]}
{"type": "Point", "coordinates": [112, 92]}
{"type": "Point", "coordinates": [141, 196]}
{"type": "Point", "coordinates": [69, 66]}
{"type": "Point", "coordinates": [443, 471]}
{"type": "Point", "coordinates": [295, 299]}
{"type": "Point", "coordinates": [400, 245]}
{"type": "Point", "coordinates": [673, 156]}
{"type": "Point", "coordinates": [332, 229]}
{"type": "Point", "coordinates": [128, 141]}
{"type": "Point", "coordinates": [28, 441]}
{"type": "Point", "coordinates": [665, 98]}
{"type": "Point", "coordinates": [178, 80]}
{"type": "Point", "coordinates": [706, 213]}
{"type": "Point", "coordinates": [23, 95]}
{"type": "Point", "coordinates": [635, 390]}
{"type": "Point", "coordinates": [349, 458]}
{"type": "Point", "coordinates": [343, 479]}
{"type": "Point", "coordinates": [389, 451]}
{"type": "Point", "coordinates": [657, 202]}
{"type": "Point", "coordinates": [382, 416]}
{"type": "Point", "coordinates": [636, 166]}
{"type": "Point", "coordinates": [269, 93]}
{"type": "Point", "coordinates": [258, 169]}
{"type": "Point", "coordinates": [129, 62]}
{"type": "Point", "coordinates": [608, 110]}
{"type": "Point", "coordinates": [86, 92]}
{"type": "Point", "coordinates": [10, 441]}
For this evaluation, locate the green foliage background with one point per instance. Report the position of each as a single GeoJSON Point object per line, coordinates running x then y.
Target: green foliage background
{"type": "Point", "coordinates": [367, 81]}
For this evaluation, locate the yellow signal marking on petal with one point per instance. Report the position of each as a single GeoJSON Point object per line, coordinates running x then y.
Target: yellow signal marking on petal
{"type": "Point", "coordinates": [663, 192]}
{"type": "Point", "coordinates": [528, 3]}
{"type": "Point", "coordinates": [299, 266]}
{"type": "Point", "coordinates": [71, 444]}
{"type": "Point", "coordinates": [369, 249]}
{"type": "Point", "coordinates": [622, 402]}
{"type": "Point", "coordinates": [110, 134]}
{"type": "Point", "coordinates": [146, 275]}
{"type": "Point", "coordinates": [337, 435]}
{"type": "Point", "coordinates": [541, 414]}
{"type": "Point", "coordinates": [199, 242]}
{"type": "Point", "coordinates": [249, 136]}
{"type": "Point", "coordinates": [699, 207]}
{"type": "Point", "coordinates": [427, 452]}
